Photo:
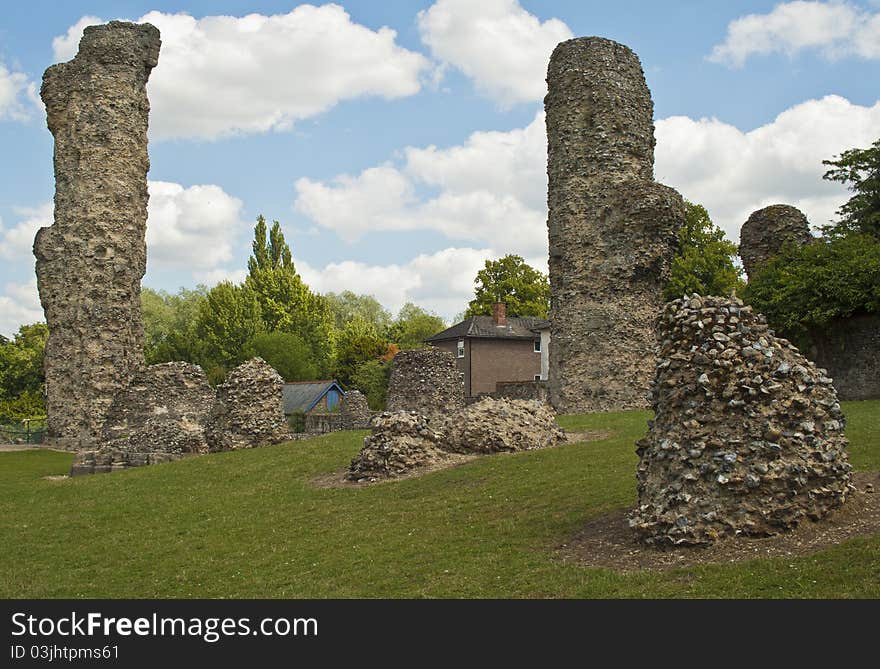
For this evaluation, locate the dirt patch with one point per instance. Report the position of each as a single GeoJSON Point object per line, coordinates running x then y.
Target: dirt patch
{"type": "Point", "coordinates": [607, 541]}
{"type": "Point", "coordinates": [337, 478]}
{"type": "Point", "coordinates": [56, 477]}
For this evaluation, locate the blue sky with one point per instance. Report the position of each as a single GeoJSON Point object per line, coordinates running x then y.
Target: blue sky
{"type": "Point", "coordinates": [401, 144]}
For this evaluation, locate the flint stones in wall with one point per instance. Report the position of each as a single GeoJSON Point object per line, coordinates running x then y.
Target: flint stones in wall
{"type": "Point", "coordinates": [164, 410]}
{"type": "Point", "coordinates": [747, 435]}
{"type": "Point", "coordinates": [91, 260]}
{"type": "Point", "coordinates": [612, 229]}
{"type": "Point", "coordinates": [767, 230]}
{"type": "Point", "coordinates": [248, 410]}
{"type": "Point", "coordinates": [354, 411]}
{"type": "Point", "coordinates": [428, 382]}
{"type": "Point", "coordinates": [496, 425]}
{"type": "Point", "coordinates": [400, 442]}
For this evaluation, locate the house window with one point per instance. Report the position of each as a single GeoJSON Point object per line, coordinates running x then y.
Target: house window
{"type": "Point", "coordinates": [461, 348]}
{"type": "Point", "coordinates": [537, 377]}
{"type": "Point", "coordinates": [537, 346]}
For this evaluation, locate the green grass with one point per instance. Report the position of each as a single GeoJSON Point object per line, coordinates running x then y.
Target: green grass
{"type": "Point", "coordinates": [250, 524]}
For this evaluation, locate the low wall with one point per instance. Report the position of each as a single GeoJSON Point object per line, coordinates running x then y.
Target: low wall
{"type": "Point", "coordinates": [522, 390]}
{"type": "Point", "coordinates": [321, 423]}
{"type": "Point", "coordinates": [850, 350]}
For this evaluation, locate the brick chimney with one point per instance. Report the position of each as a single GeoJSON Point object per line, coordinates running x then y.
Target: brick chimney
{"type": "Point", "coordinates": [499, 313]}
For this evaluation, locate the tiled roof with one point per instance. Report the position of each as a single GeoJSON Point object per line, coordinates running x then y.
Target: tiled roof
{"type": "Point", "coordinates": [484, 326]}
{"type": "Point", "coordinates": [304, 395]}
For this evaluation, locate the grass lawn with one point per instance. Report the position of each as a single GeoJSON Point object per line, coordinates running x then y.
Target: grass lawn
{"type": "Point", "coordinates": [249, 524]}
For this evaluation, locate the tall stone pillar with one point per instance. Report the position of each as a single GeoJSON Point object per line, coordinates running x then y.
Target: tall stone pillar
{"type": "Point", "coordinates": [91, 261]}
{"type": "Point", "coordinates": [612, 228]}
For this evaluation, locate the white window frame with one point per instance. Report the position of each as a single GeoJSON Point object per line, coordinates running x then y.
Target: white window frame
{"type": "Point", "coordinates": [460, 350]}
{"type": "Point", "coordinates": [537, 377]}
{"type": "Point", "coordinates": [536, 345]}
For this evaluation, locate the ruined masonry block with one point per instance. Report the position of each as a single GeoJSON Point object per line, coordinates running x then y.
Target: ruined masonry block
{"type": "Point", "coordinates": [612, 230]}
{"type": "Point", "coordinates": [91, 261]}
{"type": "Point", "coordinates": [748, 435]}
{"type": "Point", "coordinates": [428, 382]}
{"type": "Point", "coordinates": [767, 230]}
{"type": "Point", "coordinates": [354, 411]}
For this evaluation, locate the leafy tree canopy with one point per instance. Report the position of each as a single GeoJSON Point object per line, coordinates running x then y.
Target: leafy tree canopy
{"type": "Point", "coordinates": [358, 342]}
{"type": "Point", "coordinates": [704, 263]}
{"type": "Point", "coordinates": [229, 319]}
{"type": "Point", "coordinates": [413, 325]}
{"type": "Point", "coordinates": [347, 305]}
{"type": "Point", "coordinates": [807, 287]}
{"type": "Point", "coordinates": [510, 279]}
{"type": "Point", "coordinates": [287, 353]}
{"type": "Point", "coordinates": [860, 169]}
{"type": "Point", "coordinates": [21, 361]}
{"type": "Point", "coordinates": [170, 324]}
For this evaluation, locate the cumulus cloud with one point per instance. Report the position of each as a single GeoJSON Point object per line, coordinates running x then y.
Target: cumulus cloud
{"type": "Point", "coordinates": [191, 229]}
{"type": "Point", "coordinates": [17, 243]}
{"type": "Point", "coordinates": [441, 282]}
{"type": "Point", "coordinates": [65, 46]}
{"type": "Point", "coordinates": [491, 189]}
{"type": "Point", "coordinates": [221, 75]}
{"type": "Point", "coordinates": [499, 45]}
{"type": "Point", "coordinates": [733, 172]}
{"type": "Point", "coordinates": [18, 95]}
{"type": "Point", "coordinates": [19, 305]}
{"type": "Point", "coordinates": [835, 29]}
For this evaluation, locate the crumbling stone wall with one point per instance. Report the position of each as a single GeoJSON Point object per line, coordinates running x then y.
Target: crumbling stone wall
{"type": "Point", "coordinates": [747, 435]}
{"type": "Point", "coordinates": [495, 425]}
{"type": "Point", "coordinates": [612, 229]}
{"type": "Point", "coordinates": [767, 230]}
{"type": "Point", "coordinates": [91, 260]}
{"type": "Point", "coordinates": [522, 390]}
{"type": "Point", "coordinates": [248, 410]}
{"type": "Point", "coordinates": [849, 348]}
{"type": "Point", "coordinates": [426, 381]}
{"type": "Point", "coordinates": [354, 411]}
{"type": "Point", "coordinates": [400, 442]}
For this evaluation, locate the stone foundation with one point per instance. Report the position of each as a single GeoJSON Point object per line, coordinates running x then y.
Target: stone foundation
{"type": "Point", "coordinates": [497, 425]}
{"type": "Point", "coordinates": [428, 382]}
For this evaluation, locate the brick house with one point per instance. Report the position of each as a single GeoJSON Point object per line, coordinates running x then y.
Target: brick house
{"type": "Point", "coordinates": [496, 349]}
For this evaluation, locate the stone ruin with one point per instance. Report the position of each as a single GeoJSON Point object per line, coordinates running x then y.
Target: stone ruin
{"type": "Point", "coordinates": [427, 381]}
{"type": "Point", "coordinates": [248, 410]}
{"type": "Point", "coordinates": [612, 229]}
{"type": "Point", "coordinates": [91, 260]}
{"type": "Point", "coordinates": [497, 425]}
{"type": "Point", "coordinates": [102, 400]}
{"type": "Point", "coordinates": [747, 435]}
{"type": "Point", "coordinates": [354, 411]}
{"type": "Point", "coordinates": [765, 232]}
{"type": "Point", "coordinates": [403, 441]}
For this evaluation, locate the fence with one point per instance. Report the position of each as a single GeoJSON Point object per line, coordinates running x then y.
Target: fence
{"type": "Point", "coordinates": [27, 431]}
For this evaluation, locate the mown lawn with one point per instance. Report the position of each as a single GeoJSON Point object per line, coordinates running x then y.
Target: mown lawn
{"type": "Point", "coordinates": [250, 524]}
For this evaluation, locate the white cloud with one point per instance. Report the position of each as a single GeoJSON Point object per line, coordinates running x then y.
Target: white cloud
{"type": "Point", "coordinates": [497, 43]}
{"type": "Point", "coordinates": [221, 75]}
{"type": "Point", "coordinates": [215, 276]}
{"type": "Point", "coordinates": [18, 242]}
{"type": "Point", "coordinates": [492, 190]}
{"type": "Point", "coordinates": [835, 29]}
{"type": "Point", "coordinates": [65, 46]}
{"type": "Point", "coordinates": [734, 173]}
{"type": "Point", "coordinates": [18, 95]}
{"type": "Point", "coordinates": [191, 229]}
{"type": "Point", "coordinates": [19, 305]}
{"type": "Point", "coordinates": [441, 282]}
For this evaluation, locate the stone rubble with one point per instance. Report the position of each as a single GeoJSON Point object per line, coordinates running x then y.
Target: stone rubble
{"type": "Point", "coordinates": [748, 435]}
{"type": "Point", "coordinates": [427, 381]}
{"type": "Point", "coordinates": [495, 425]}
{"type": "Point", "coordinates": [400, 442]}
{"type": "Point", "coordinates": [91, 260]}
{"type": "Point", "coordinates": [612, 229]}
{"type": "Point", "coordinates": [248, 409]}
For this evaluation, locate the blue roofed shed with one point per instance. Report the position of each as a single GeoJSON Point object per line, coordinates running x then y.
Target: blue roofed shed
{"type": "Point", "coordinates": [306, 396]}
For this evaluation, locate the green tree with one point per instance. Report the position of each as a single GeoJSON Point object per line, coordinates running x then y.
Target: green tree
{"type": "Point", "coordinates": [287, 353]}
{"type": "Point", "coordinates": [860, 169]}
{"type": "Point", "coordinates": [805, 288]}
{"type": "Point", "coordinates": [170, 324]}
{"type": "Point", "coordinates": [227, 323]}
{"type": "Point", "coordinates": [21, 373]}
{"type": "Point", "coordinates": [358, 342]}
{"type": "Point", "coordinates": [510, 279]}
{"type": "Point", "coordinates": [371, 378]}
{"type": "Point", "coordinates": [347, 305]}
{"type": "Point", "coordinates": [286, 303]}
{"type": "Point", "coordinates": [704, 263]}
{"type": "Point", "coordinates": [413, 325]}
